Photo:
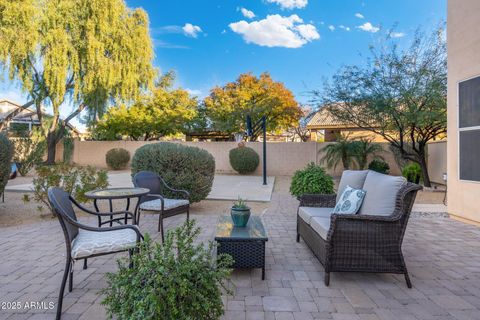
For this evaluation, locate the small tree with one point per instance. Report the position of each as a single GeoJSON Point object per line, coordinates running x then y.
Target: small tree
{"type": "Point", "coordinates": [398, 94]}
{"type": "Point", "coordinates": [227, 107]}
{"type": "Point", "coordinates": [363, 150]}
{"type": "Point", "coordinates": [342, 151]}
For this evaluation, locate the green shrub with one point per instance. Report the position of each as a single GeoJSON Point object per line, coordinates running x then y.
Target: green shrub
{"type": "Point", "coordinates": [28, 153]}
{"type": "Point", "coordinates": [174, 280]}
{"type": "Point", "coordinates": [6, 153]}
{"type": "Point", "coordinates": [117, 158]}
{"type": "Point", "coordinates": [412, 172]}
{"type": "Point", "coordinates": [75, 180]}
{"type": "Point", "coordinates": [311, 180]}
{"type": "Point", "coordinates": [182, 167]}
{"type": "Point", "coordinates": [244, 160]}
{"type": "Point", "coordinates": [379, 166]}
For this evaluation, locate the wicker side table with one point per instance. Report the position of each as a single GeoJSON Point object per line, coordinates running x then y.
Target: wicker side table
{"type": "Point", "coordinates": [245, 245]}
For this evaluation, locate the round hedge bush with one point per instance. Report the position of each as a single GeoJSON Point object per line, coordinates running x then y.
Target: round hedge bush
{"type": "Point", "coordinates": [379, 166]}
{"type": "Point", "coordinates": [182, 167]}
{"type": "Point", "coordinates": [244, 160]}
{"type": "Point", "coordinates": [6, 154]}
{"type": "Point", "coordinates": [311, 180]}
{"type": "Point", "coordinates": [117, 158]}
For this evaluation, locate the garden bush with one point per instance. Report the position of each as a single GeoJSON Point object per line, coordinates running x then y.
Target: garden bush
{"type": "Point", "coordinates": [117, 158]}
{"type": "Point", "coordinates": [244, 160]}
{"type": "Point", "coordinates": [6, 153]}
{"type": "Point", "coordinates": [412, 172]}
{"type": "Point", "coordinates": [28, 153]}
{"type": "Point", "coordinates": [74, 180]}
{"type": "Point", "coordinates": [174, 280]}
{"type": "Point", "coordinates": [182, 167]}
{"type": "Point", "coordinates": [379, 166]}
{"type": "Point", "coordinates": [311, 180]}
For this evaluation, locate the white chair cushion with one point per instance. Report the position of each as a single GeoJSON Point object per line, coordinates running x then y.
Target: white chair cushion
{"type": "Point", "coordinates": [381, 194]}
{"type": "Point", "coordinates": [156, 205]}
{"type": "Point", "coordinates": [306, 213]}
{"type": "Point", "coordinates": [88, 243]}
{"type": "Point", "coordinates": [350, 201]}
{"type": "Point", "coordinates": [321, 225]}
{"type": "Point", "coordinates": [352, 178]}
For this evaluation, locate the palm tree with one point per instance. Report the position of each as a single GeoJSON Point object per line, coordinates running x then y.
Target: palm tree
{"type": "Point", "coordinates": [341, 151]}
{"type": "Point", "coordinates": [364, 149]}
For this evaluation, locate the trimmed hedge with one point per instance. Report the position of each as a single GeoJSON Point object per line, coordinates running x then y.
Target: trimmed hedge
{"type": "Point", "coordinates": [117, 158]}
{"type": "Point", "coordinates": [379, 166]}
{"type": "Point", "coordinates": [182, 167]}
{"type": "Point", "coordinates": [244, 160]}
{"type": "Point", "coordinates": [6, 154]}
{"type": "Point", "coordinates": [311, 180]}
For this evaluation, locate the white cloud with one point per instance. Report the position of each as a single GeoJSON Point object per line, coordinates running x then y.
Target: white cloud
{"type": "Point", "coordinates": [344, 27]}
{"type": "Point", "coordinates": [368, 27]}
{"type": "Point", "coordinates": [276, 31]}
{"type": "Point", "coordinates": [191, 30]}
{"type": "Point", "coordinates": [194, 92]}
{"type": "Point", "coordinates": [331, 27]}
{"type": "Point", "coordinates": [359, 15]}
{"type": "Point", "coordinates": [290, 4]}
{"type": "Point", "coordinates": [247, 13]}
{"type": "Point", "coordinates": [397, 34]}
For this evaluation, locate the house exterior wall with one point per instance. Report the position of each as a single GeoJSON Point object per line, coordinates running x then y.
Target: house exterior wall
{"type": "Point", "coordinates": [463, 63]}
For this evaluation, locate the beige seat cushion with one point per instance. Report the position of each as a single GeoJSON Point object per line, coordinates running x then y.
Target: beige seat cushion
{"type": "Point", "coordinates": [88, 243]}
{"type": "Point", "coordinates": [306, 213]}
{"type": "Point", "coordinates": [156, 205]}
{"type": "Point", "coordinates": [352, 178]}
{"type": "Point", "coordinates": [321, 225]}
{"type": "Point", "coordinates": [381, 193]}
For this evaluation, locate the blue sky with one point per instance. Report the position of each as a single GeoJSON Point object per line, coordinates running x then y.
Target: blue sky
{"type": "Point", "coordinates": [300, 42]}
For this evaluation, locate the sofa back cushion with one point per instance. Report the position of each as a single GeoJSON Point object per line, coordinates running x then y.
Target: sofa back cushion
{"type": "Point", "coordinates": [352, 178]}
{"type": "Point", "coordinates": [381, 193]}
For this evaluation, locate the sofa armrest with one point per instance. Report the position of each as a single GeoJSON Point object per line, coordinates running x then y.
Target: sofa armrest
{"type": "Point", "coordinates": [318, 200]}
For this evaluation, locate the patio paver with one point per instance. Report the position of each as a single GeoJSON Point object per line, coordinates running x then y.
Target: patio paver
{"type": "Point", "coordinates": [443, 257]}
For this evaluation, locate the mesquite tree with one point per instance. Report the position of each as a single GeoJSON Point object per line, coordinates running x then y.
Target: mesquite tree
{"type": "Point", "coordinates": [398, 94]}
{"type": "Point", "coordinates": [85, 53]}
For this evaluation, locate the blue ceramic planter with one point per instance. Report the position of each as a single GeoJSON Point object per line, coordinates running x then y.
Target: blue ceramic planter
{"type": "Point", "coordinates": [240, 217]}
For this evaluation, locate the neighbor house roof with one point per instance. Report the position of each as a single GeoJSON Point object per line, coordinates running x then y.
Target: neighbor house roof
{"type": "Point", "coordinates": [324, 119]}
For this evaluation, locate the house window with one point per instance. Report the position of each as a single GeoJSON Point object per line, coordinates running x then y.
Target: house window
{"type": "Point", "coordinates": [469, 129]}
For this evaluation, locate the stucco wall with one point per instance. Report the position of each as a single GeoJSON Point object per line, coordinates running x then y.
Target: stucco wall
{"type": "Point", "coordinates": [283, 158]}
{"type": "Point", "coordinates": [463, 63]}
{"type": "Point", "coordinates": [437, 161]}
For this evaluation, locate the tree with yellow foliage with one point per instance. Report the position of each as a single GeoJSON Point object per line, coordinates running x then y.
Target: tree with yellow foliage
{"type": "Point", "coordinates": [83, 52]}
{"type": "Point", "coordinates": [227, 107]}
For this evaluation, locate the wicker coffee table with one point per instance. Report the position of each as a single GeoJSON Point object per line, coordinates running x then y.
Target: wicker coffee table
{"type": "Point", "coordinates": [245, 245]}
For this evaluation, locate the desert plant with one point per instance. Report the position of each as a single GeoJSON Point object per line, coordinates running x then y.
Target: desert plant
{"type": "Point", "coordinates": [311, 180]}
{"type": "Point", "coordinates": [342, 151]}
{"type": "Point", "coordinates": [240, 204]}
{"type": "Point", "coordinates": [75, 180]}
{"type": "Point", "coordinates": [363, 149]}
{"type": "Point", "coordinates": [182, 167]}
{"type": "Point", "coordinates": [6, 153]}
{"type": "Point", "coordinates": [28, 153]}
{"type": "Point", "coordinates": [412, 172]}
{"type": "Point", "coordinates": [174, 280]}
{"type": "Point", "coordinates": [117, 158]}
{"type": "Point", "coordinates": [379, 166]}
{"type": "Point", "coordinates": [244, 160]}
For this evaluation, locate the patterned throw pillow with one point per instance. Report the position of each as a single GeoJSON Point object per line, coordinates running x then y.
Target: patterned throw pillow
{"type": "Point", "coordinates": [350, 201]}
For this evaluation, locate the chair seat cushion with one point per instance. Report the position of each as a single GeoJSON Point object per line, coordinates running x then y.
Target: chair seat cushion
{"type": "Point", "coordinates": [381, 193]}
{"type": "Point", "coordinates": [156, 205]}
{"type": "Point", "coordinates": [321, 225]}
{"type": "Point", "coordinates": [88, 243]}
{"type": "Point", "coordinates": [306, 213]}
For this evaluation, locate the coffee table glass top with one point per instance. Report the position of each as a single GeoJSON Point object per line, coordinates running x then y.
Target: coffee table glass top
{"type": "Point", "coordinates": [254, 230]}
{"type": "Point", "coordinates": [119, 193]}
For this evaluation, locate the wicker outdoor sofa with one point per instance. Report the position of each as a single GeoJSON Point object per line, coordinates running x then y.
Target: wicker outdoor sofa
{"type": "Point", "coordinates": [369, 241]}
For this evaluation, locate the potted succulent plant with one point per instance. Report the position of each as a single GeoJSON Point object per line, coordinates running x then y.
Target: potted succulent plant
{"type": "Point", "coordinates": [240, 213]}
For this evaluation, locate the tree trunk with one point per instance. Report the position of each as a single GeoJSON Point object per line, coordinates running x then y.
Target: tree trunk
{"type": "Point", "coordinates": [51, 147]}
{"type": "Point", "coordinates": [423, 165]}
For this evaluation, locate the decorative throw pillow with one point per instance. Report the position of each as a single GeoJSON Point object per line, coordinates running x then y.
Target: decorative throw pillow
{"type": "Point", "coordinates": [350, 201]}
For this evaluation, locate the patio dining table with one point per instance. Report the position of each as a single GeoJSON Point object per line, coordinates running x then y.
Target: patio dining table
{"type": "Point", "coordinates": [111, 194]}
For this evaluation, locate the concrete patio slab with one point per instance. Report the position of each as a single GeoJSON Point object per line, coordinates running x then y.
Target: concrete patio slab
{"type": "Point", "coordinates": [225, 187]}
